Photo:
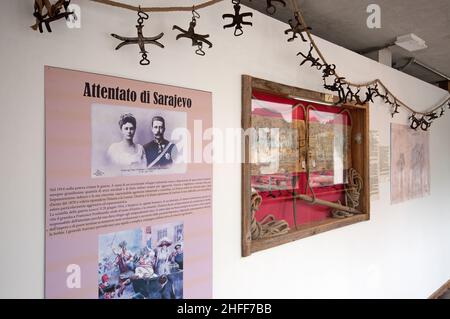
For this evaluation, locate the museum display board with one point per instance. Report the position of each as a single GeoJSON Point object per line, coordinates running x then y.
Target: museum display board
{"type": "Point", "coordinates": [128, 213]}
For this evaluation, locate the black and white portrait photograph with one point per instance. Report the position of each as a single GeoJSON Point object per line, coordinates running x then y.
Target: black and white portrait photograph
{"type": "Point", "coordinates": [129, 141]}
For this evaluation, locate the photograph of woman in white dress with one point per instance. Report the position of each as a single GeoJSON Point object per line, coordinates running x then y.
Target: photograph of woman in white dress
{"type": "Point", "coordinates": [126, 153]}
{"type": "Point", "coordinates": [120, 151]}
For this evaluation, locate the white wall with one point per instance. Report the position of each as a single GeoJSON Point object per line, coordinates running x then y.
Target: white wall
{"type": "Point", "coordinates": [402, 252]}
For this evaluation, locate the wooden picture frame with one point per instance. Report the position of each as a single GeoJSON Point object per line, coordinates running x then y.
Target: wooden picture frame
{"type": "Point", "coordinates": [360, 162]}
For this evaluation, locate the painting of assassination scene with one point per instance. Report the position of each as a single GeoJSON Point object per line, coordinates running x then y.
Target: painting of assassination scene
{"type": "Point", "coordinates": [142, 263]}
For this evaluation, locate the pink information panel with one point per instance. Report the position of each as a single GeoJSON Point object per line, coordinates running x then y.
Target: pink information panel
{"type": "Point", "coordinates": [128, 194]}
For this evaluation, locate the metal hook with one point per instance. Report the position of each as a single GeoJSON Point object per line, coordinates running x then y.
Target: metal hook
{"type": "Point", "coordinates": [200, 51]}
{"type": "Point", "coordinates": [195, 14]}
{"type": "Point", "coordinates": [415, 123]}
{"type": "Point", "coordinates": [425, 125]}
{"type": "Point", "coordinates": [142, 16]}
{"type": "Point", "coordinates": [144, 60]}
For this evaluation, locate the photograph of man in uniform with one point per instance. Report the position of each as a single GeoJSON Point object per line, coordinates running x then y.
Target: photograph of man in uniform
{"type": "Point", "coordinates": [159, 152]}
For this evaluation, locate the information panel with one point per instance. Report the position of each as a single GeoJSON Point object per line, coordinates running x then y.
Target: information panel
{"type": "Point", "coordinates": [128, 209]}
